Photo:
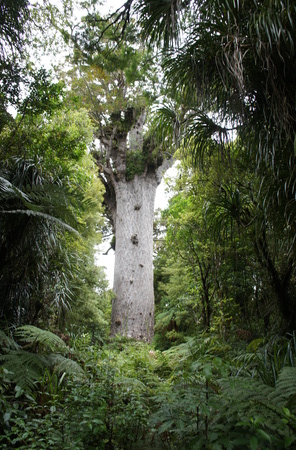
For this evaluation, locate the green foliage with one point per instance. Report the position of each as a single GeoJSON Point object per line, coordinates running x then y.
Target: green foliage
{"type": "Point", "coordinates": [205, 265]}
{"type": "Point", "coordinates": [135, 163]}
{"type": "Point", "coordinates": [42, 95]}
{"type": "Point", "coordinates": [207, 407]}
{"type": "Point", "coordinates": [266, 360]}
{"type": "Point", "coordinates": [14, 18]}
{"type": "Point", "coordinates": [48, 193]}
{"type": "Point", "coordinates": [40, 350]}
{"type": "Point", "coordinates": [35, 211]}
{"type": "Point", "coordinates": [107, 408]}
{"type": "Point", "coordinates": [22, 368]}
{"type": "Point", "coordinates": [129, 396]}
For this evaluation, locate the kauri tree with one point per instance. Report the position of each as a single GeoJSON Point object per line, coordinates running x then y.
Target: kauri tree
{"type": "Point", "coordinates": [109, 80]}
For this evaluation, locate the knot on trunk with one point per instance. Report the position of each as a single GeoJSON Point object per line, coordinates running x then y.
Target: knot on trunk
{"type": "Point", "coordinates": [135, 239]}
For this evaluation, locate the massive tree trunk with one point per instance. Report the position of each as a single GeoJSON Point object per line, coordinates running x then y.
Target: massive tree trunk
{"type": "Point", "coordinates": [133, 306]}
{"type": "Point", "coordinates": [131, 176]}
{"type": "Point", "coordinates": [113, 80]}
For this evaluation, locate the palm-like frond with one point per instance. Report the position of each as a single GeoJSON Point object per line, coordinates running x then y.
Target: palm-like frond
{"type": "Point", "coordinates": [8, 190]}
{"type": "Point", "coordinates": [166, 127]}
{"type": "Point", "coordinates": [41, 215]}
{"type": "Point", "coordinates": [204, 135]}
{"type": "Point", "coordinates": [24, 190]}
{"type": "Point", "coordinates": [161, 19]}
{"type": "Point", "coordinates": [232, 208]}
{"type": "Point", "coordinates": [33, 213]}
{"type": "Point", "coordinates": [237, 60]}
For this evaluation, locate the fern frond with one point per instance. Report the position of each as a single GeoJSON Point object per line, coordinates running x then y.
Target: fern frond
{"type": "Point", "coordinates": [163, 319]}
{"type": "Point", "coordinates": [133, 384]}
{"type": "Point", "coordinates": [286, 384]}
{"type": "Point", "coordinates": [23, 368]}
{"type": "Point", "coordinates": [247, 398]}
{"type": "Point", "coordinates": [181, 352]}
{"type": "Point", "coordinates": [7, 343]}
{"type": "Point", "coordinates": [61, 364]}
{"type": "Point", "coordinates": [43, 338]}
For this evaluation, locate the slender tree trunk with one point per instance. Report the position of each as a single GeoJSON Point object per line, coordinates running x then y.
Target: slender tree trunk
{"type": "Point", "coordinates": [133, 306]}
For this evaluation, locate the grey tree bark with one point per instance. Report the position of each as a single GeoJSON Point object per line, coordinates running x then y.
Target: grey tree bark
{"type": "Point", "coordinates": [133, 306]}
{"type": "Point", "coordinates": [130, 201]}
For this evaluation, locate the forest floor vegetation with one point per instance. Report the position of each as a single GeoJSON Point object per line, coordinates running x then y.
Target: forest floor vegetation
{"type": "Point", "coordinates": [205, 393]}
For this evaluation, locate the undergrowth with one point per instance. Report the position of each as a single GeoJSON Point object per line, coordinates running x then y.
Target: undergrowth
{"type": "Point", "coordinates": [127, 395]}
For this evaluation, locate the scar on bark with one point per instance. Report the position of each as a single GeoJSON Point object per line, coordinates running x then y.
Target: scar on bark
{"type": "Point", "coordinates": [137, 207]}
{"type": "Point", "coordinates": [135, 239]}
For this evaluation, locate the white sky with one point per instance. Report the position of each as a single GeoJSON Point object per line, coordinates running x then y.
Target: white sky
{"type": "Point", "coordinates": [112, 5]}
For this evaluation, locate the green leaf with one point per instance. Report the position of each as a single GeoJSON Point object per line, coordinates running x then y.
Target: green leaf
{"type": "Point", "coordinates": [207, 371]}
{"type": "Point", "coordinates": [18, 392]}
{"type": "Point", "coordinates": [254, 443]}
{"type": "Point", "coordinates": [287, 412]}
{"type": "Point", "coordinates": [6, 416]}
{"type": "Point", "coordinates": [264, 435]}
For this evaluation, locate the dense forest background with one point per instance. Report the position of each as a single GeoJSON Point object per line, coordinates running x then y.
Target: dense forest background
{"type": "Point", "coordinates": [218, 82]}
